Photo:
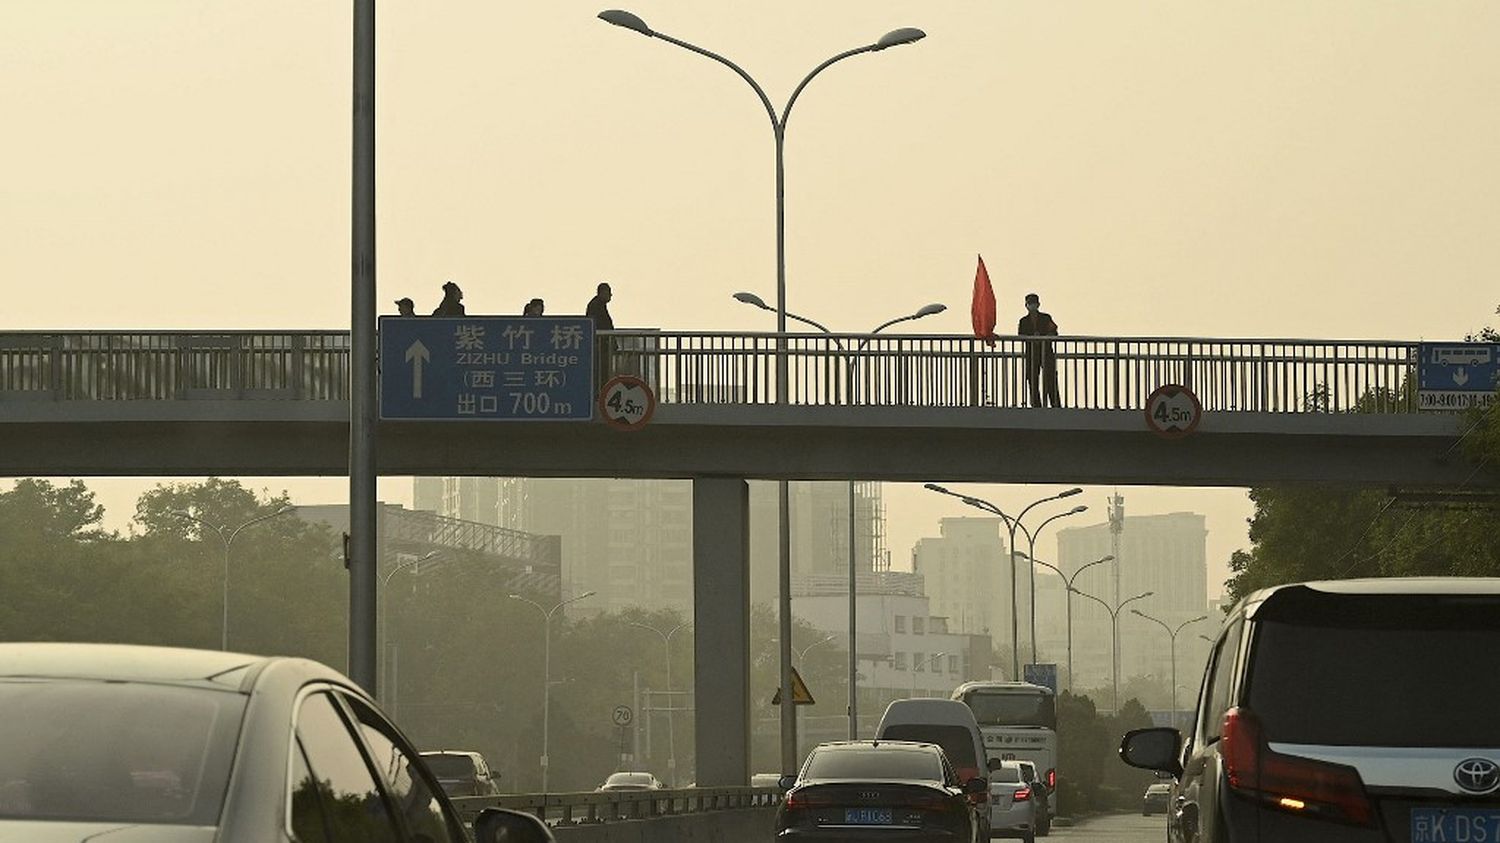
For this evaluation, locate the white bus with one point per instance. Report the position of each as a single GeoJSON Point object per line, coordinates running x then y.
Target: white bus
{"type": "Point", "coordinates": [1019, 723]}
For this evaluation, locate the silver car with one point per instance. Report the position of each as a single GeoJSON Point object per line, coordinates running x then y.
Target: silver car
{"type": "Point", "coordinates": [1012, 802]}
{"type": "Point", "coordinates": [157, 744]}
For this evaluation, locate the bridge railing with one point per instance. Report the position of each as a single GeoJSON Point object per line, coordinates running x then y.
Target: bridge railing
{"type": "Point", "coordinates": [596, 806]}
{"type": "Point", "coordinates": [1097, 373]}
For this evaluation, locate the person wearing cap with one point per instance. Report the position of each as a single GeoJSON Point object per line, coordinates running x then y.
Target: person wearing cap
{"type": "Point", "coordinates": [405, 307]}
{"type": "Point", "coordinates": [1041, 360]}
{"type": "Point", "coordinates": [453, 301]}
{"type": "Point", "coordinates": [535, 307]}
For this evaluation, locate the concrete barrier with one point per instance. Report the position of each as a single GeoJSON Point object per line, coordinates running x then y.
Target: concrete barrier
{"type": "Point", "coordinates": [734, 826]}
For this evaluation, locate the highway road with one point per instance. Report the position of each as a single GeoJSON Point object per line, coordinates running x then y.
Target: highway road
{"type": "Point", "coordinates": [1115, 828]}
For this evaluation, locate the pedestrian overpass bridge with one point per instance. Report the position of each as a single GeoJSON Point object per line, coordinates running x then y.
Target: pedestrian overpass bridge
{"type": "Point", "coordinates": [866, 407]}
{"type": "Point", "coordinates": [896, 408]}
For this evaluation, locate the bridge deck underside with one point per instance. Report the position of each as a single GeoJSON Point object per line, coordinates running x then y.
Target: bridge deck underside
{"type": "Point", "coordinates": [758, 442]}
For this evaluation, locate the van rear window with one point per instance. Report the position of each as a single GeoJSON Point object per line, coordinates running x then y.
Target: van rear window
{"type": "Point", "coordinates": [1401, 671]}
{"type": "Point", "coordinates": [956, 741]}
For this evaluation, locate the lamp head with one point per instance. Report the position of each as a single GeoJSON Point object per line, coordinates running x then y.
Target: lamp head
{"type": "Point", "coordinates": [894, 38]}
{"type": "Point", "coordinates": [1077, 509]}
{"type": "Point", "coordinates": [586, 594]}
{"type": "Point", "coordinates": [929, 310]}
{"type": "Point", "coordinates": [933, 487]}
{"type": "Point", "coordinates": [620, 17]}
{"type": "Point", "coordinates": [515, 596]}
{"type": "Point", "coordinates": [1107, 558]}
{"type": "Point", "coordinates": [753, 300]}
{"type": "Point", "coordinates": [1071, 492]}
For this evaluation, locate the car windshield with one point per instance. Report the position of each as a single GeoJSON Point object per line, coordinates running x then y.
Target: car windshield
{"type": "Point", "coordinates": [1010, 708]}
{"type": "Point", "coordinates": [1386, 671]}
{"type": "Point", "coordinates": [956, 741]}
{"type": "Point", "coordinates": [875, 763]}
{"type": "Point", "coordinates": [629, 778]}
{"type": "Point", "coordinates": [450, 766]}
{"type": "Point", "coordinates": [115, 752]}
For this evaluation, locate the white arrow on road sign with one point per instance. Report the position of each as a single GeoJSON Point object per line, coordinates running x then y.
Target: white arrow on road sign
{"type": "Point", "coordinates": [416, 355]}
{"type": "Point", "coordinates": [1460, 376]}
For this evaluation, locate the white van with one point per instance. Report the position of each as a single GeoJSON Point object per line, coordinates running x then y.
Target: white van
{"type": "Point", "coordinates": [948, 723]}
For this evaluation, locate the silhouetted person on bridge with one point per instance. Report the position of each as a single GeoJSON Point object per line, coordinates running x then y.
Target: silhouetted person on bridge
{"type": "Point", "coordinates": [598, 309]}
{"type": "Point", "coordinates": [405, 307]}
{"type": "Point", "coordinates": [453, 301]}
{"type": "Point", "coordinates": [1041, 360]}
{"type": "Point", "coordinates": [535, 307]}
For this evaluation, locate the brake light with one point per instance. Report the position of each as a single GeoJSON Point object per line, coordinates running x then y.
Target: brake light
{"type": "Point", "coordinates": [1023, 794]}
{"type": "Point", "coordinates": [797, 801]}
{"type": "Point", "coordinates": [1296, 785]}
{"type": "Point", "coordinates": [1052, 779]}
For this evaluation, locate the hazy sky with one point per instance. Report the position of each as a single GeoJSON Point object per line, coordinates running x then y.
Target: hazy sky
{"type": "Point", "coordinates": [1270, 168]}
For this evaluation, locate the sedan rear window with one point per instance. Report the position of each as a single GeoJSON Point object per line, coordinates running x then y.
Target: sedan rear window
{"type": "Point", "coordinates": [115, 752]}
{"type": "Point", "coordinates": [875, 763]}
{"type": "Point", "coordinates": [450, 766]}
{"type": "Point", "coordinates": [1381, 671]}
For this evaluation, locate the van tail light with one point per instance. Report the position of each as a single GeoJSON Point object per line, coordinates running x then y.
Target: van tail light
{"type": "Point", "coordinates": [1052, 779]}
{"type": "Point", "coordinates": [1287, 783]}
{"type": "Point", "coordinates": [1023, 794]}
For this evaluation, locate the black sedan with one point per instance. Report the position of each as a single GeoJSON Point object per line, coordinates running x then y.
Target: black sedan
{"type": "Point", "coordinates": [157, 744]}
{"type": "Point", "coordinates": [879, 790]}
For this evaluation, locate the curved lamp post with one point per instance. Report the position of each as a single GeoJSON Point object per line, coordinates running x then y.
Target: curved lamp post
{"type": "Point", "coordinates": [1114, 621]}
{"type": "Point", "coordinates": [920, 313]}
{"type": "Point", "coordinates": [934, 657]}
{"type": "Point", "coordinates": [547, 669]}
{"type": "Point", "coordinates": [1068, 582]}
{"type": "Point", "coordinates": [392, 699]}
{"type": "Point", "coordinates": [1013, 524]}
{"type": "Point", "coordinates": [666, 640]}
{"type": "Point", "coordinates": [1172, 636]}
{"type": "Point", "coordinates": [227, 536]}
{"type": "Point", "coordinates": [894, 38]}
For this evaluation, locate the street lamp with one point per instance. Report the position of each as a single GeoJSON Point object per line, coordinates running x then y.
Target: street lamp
{"type": "Point", "coordinates": [893, 38]}
{"type": "Point", "coordinates": [666, 640]}
{"type": "Point", "coordinates": [1013, 524]}
{"type": "Point", "coordinates": [547, 670]}
{"type": "Point", "coordinates": [1068, 581]}
{"type": "Point", "coordinates": [228, 536]}
{"type": "Point", "coordinates": [916, 666]}
{"type": "Point", "coordinates": [1114, 643]}
{"type": "Point", "coordinates": [395, 688]}
{"type": "Point", "coordinates": [920, 313]}
{"type": "Point", "coordinates": [1172, 636]}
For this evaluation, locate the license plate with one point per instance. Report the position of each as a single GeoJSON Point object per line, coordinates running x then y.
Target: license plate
{"type": "Point", "coordinates": [867, 816]}
{"type": "Point", "coordinates": [1455, 825]}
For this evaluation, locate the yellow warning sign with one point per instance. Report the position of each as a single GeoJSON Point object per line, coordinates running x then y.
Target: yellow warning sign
{"type": "Point", "coordinates": [800, 694]}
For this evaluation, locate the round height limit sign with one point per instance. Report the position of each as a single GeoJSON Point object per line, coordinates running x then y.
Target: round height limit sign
{"type": "Point", "coordinates": [626, 402]}
{"type": "Point", "coordinates": [1173, 411]}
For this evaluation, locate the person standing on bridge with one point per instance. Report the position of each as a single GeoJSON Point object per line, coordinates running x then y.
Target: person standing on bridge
{"type": "Point", "coordinates": [405, 307]}
{"type": "Point", "coordinates": [598, 309]}
{"type": "Point", "coordinates": [453, 301]}
{"type": "Point", "coordinates": [1041, 360]}
{"type": "Point", "coordinates": [535, 307]}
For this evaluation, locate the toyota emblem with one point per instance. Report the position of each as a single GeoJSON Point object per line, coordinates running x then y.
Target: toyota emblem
{"type": "Point", "coordinates": [1477, 775]}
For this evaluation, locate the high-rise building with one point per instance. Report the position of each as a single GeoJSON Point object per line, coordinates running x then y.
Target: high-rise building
{"type": "Point", "coordinates": [820, 534]}
{"type": "Point", "coordinates": [1163, 554]}
{"type": "Point", "coordinates": [966, 575]}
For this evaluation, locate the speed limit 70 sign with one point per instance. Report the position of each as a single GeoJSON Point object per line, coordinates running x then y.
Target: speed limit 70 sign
{"type": "Point", "coordinates": [1173, 411]}
{"type": "Point", "coordinates": [626, 402]}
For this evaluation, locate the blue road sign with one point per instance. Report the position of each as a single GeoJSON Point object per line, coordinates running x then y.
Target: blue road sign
{"type": "Point", "coordinates": [1041, 674]}
{"type": "Point", "coordinates": [1455, 376]}
{"type": "Point", "coordinates": [487, 368]}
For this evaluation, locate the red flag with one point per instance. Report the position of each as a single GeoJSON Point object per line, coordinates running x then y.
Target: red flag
{"type": "Point", "coordinates": [983, 309]}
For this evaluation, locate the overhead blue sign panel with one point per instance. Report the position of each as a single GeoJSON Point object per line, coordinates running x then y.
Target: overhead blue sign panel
{"type": "Point", "coordinates": [1456, 376]}
{"type": "Point", "coordinates": [487, 368]}
{"type": "Point", "coordinates": [1041, 674]}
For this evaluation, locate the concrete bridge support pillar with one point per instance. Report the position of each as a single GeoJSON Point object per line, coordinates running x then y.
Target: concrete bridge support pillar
{"type": "Point", "coordinates": [721, 630]}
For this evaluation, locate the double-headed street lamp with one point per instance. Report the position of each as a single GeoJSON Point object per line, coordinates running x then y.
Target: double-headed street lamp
{"type": "Point", "coordinates": [1114, 641]}
{"type": "Point", "coordinates": [392, 699]}
{"type": "Point", "coordinates": [227, 536]}
{"type": "Point", "coordinates": [894, 38]}
{"type": "Point", "coordinates": [920, 313]}
{"type": "Point", "coordinates": [666, 640]}
{"type": "Point", "coordinates": [1172, 635]}
{"type": "Point", "coordinates": [1068, 582]}
{"type": "Point", "coordinates": [547, 669]}
{"type": "Point", "coordinates": [1013, 524]}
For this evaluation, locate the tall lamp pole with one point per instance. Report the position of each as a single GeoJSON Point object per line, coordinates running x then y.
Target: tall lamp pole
{"type": "Point", "coordinates": [893, 38]}
{"type": "Point", "coordinates": [1172, 636]}
{"type": "Point", "coordinates": [227, 537]}
{"type": "Point", "coordinates": [1012, 524]}
{"type": "Point", "coordinates": [1114, 621]}
{"type": "Point", "coordinates": [547, 670]}
{"type": "Point", "coordinates": [666, 640]}
{"type": "Point", "coordinates": [392, 698]}
{"type": "Point", "coordinates": [1068, 581]}
{"type": "Point", "coordinates": [922, 312]}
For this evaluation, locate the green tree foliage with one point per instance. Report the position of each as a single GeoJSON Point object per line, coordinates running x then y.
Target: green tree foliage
{"type": "Point", "coordinates": [1091, 776]}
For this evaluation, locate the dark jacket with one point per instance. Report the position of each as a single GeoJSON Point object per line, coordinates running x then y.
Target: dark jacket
{"type": "Point", "coordinates": [1037, 324]}
{"type": "Point", "coordinates": [598, 310]}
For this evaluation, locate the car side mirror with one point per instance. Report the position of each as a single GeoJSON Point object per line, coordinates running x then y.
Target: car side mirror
{"type": "Point", "coordinates": [1152, 749]}
{"type": "Point", "coordinates": [976, 785]}
{"type": "Point", "coordinates": [994, 764]}
{"type": "Point", "coordinates": [786, 783]}
{"type": "Point", "coordinates": [499, 825]}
